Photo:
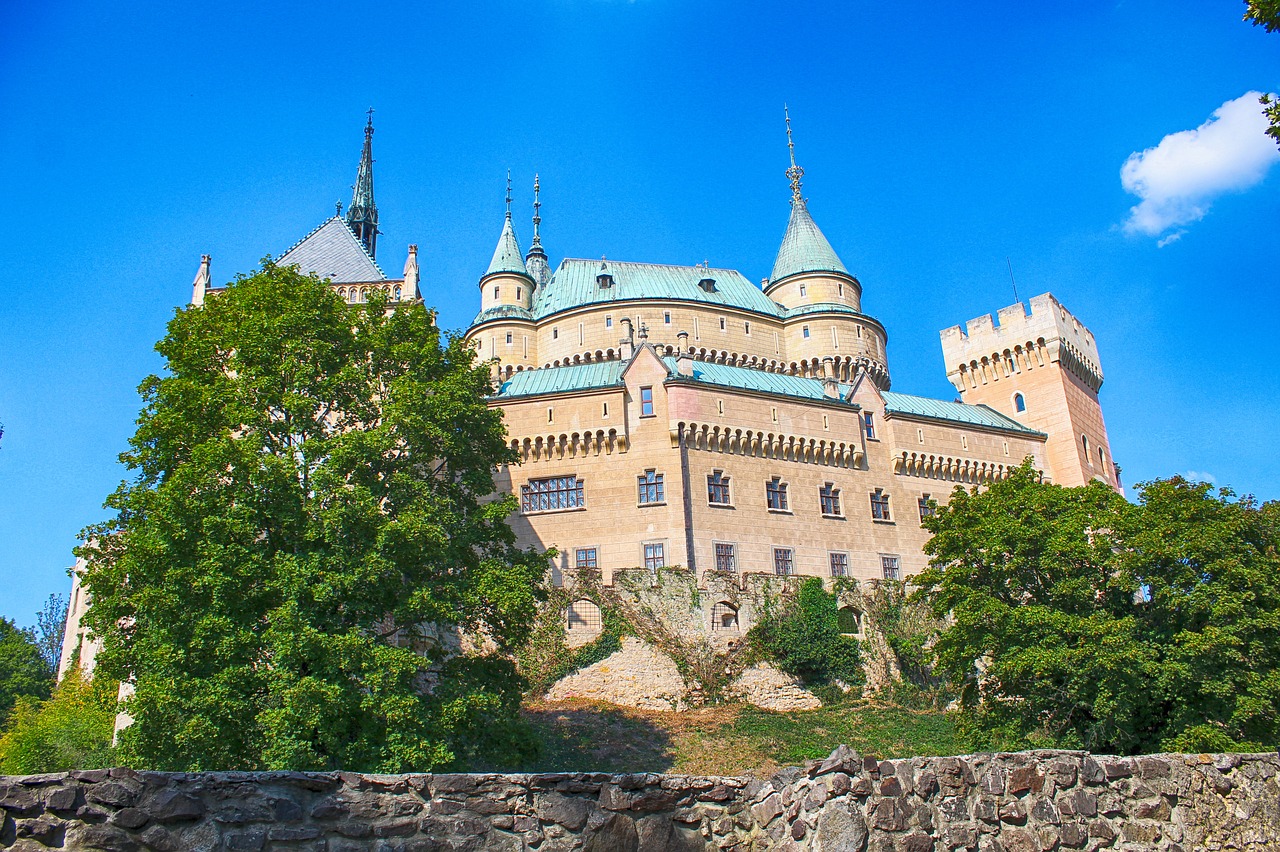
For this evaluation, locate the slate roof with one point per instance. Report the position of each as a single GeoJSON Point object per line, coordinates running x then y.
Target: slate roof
{"type": "Point", "coordinates": [952, 412]}
{"type": "Point", "coordinates": [574, 285]}
{"type": "Point", "coordinates": [332, 251]}
{"type": "Point", "coordinates": [507, 257]}
{"type": "Point", "coordinates": [804, 248]}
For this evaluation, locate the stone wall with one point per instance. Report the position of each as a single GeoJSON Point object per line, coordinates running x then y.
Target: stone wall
{"type": "Point", "coordinates": [1025, 802]}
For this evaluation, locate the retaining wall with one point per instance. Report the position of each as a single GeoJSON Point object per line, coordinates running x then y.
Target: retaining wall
{"type": "Point", "coordinates": [1023, 802]}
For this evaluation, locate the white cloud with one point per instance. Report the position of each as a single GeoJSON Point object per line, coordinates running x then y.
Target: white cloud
{"type": "Point", "coordinates": [1178, 179]}
{"type": "Point", "coordinates": [1199, 476]}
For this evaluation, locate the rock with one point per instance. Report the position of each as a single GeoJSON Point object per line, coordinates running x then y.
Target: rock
{"type": "Point", "coordinates": [889, 815]}
{"type": "Point", "coordinates": [130, 818]}
{"type": "Point", "coordinates": [44, 829]}
{"type": "Point", "coordinates": [917, 843]}
{"type": "Point", "coordinates": [768, 810]}
{"type": "Point", "coordinates": [616, 834]}
{"type": "Point", "coordinates": [569, 811]}
{"type": "Point", "coordinates": [839, 830]}
{"type": "Point", "coordinates": [112, 793]}
{"type": "Point", "coordinates": [1024, 779]}
{"type": "Point", "coordinates": [1018, 840]}
{"type": "Point", "coordinates": [100, 838]}
{"type": "Point", "coordinates": [1014, 812]}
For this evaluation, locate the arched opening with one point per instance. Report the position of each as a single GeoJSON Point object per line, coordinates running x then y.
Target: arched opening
{"type": "Point", "coordinates": [849, 621]}
{"type": "Point", "coordinates": [582, 622]}
{"type": "Point", "coordinates": [724, 617]}
{"type": "Point", "coordinates": [1019, 403]}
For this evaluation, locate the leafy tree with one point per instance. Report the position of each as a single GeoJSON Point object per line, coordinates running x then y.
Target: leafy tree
{"type": "Point", "coordinates": [22, 670]}
{"type": "Point", "coordinates": [70, 730]}
{"type": "Point", "coordinates": [802, 635]}
{"type": "Point", "coordinates": [309, 522]}
{"type": "Point", "coordinates": [51, 621]}
{"type": "Point", "coordinates": [1078, 619]}
{"type": "Point", "coordinates": [1266, 14]}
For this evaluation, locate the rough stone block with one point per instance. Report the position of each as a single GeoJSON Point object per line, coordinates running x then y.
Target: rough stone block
{"type": "Point", "coordinates": [839, 830]}
{"type": "Point", "coordinates": [616, 834]}
{"type": "Point", "coordinates": [1018, 840]}
{"type": "Point", "coordinates": [768, 810]}
{"type": "Point", "coordinates": [1025, 779]}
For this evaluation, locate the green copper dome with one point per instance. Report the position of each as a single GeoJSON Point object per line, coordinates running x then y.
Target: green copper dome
{"type": "Point", "coordinates": [507, 257]}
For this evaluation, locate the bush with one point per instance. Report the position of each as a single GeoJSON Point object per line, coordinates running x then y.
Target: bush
{"type": "Point", "coordinates": [802, 636]}
{"type": "Point", "coordinates": [70, 730]}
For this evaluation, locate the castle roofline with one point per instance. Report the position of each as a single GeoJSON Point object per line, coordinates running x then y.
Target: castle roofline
{"type": "Point", "coordinates": [332, 251]}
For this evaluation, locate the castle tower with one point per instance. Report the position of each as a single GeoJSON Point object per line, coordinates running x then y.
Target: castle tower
{"type": "Point", "coordinates": [362, 216]}
{"type": "Point", "coordinates": [536, 260]}
{"type": "Point", "coordinates": [1042, 369]}
{"type": "Point", "coordinates": [507, 281]}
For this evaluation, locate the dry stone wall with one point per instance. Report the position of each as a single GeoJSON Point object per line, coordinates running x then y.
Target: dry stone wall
{"type": "Point", "coordinates": [1024, 802]}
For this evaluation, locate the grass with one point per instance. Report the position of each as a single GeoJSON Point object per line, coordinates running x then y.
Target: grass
{"type": "Point", "coordinates": [728, 740]}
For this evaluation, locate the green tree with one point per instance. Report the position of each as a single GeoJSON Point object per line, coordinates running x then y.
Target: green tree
{"type": "Point", "coordinates": [1078, 619]}
{"type": "Point", "coordinates": [70, 730]}
{"type": "Point", "coordinates": [1266, 14]}
{"type": "Point", "coordinates": [22, 669]}
{"type": "Point", "coordinates": [802, 635]}
{"type": "Point", "coordinates": [51, 621]}
{"type": "Point", "coordinates": [310, 519]}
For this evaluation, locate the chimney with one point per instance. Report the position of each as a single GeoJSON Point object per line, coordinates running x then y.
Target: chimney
{"type": "Point", "coordinates": [410, 290]}
{"type": "Point", "coordinates": [684, 357]}
{"type": "Point", "coordinates": [830, 388]}
{"type": "Point", "coordinates": [627, 345]}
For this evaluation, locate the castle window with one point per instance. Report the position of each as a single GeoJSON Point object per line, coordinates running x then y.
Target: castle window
{"type": "Point", "coordinates": [784, 561]}
{"type": "Point", "coordinates": [708, 284]}
{"type": "Point", "coordinates": [720, 406]}
{"type": "Point", "coordinates": [1102, 458]}
{"type": "Point", "coordinates": [775, 494]}
{"type": "Point", "coordinates": [604, 411]}
{"type": "Point", "coordinates": [519, 293]}
{"type": "Point", "coordinates": [1019, 403]}
{"type": "Point", "coordinates": [746, 328]}
{"type": "Point", "coordinates": [555, 334]}
{"type": "Point", "coordinates": [829, 500]}
{"type": "Point", "coordinates": [880, 506]}
{"type": "Point", "coordinates": [835, 338]}
{"type": "Point", "coordinates": [1006, 448]}
{"type": "Point", "coordinates": [718, 488]}
{"type": "Point", "coordinates": [964, 442]}
{"type": "Point", "coordinates": [551, 415]}
{"type": "Point", "coordinates": [859, 331]}
{"type": "Point", "coordinates": [724, 616]}
{"type": "Point", "coordinates": [802, 291]}
{"type": "Point", "coordinates": [655, 556]}
{"type": "Point", "coordinates": [920, 435]}
{"type": "Point", "coordinates": [804, 332]}
{"type": "Point", "coordinates": [849, 621]}
{"type": "Point", "coordinates": [775, 414]}
{"type": "Point", "coordinates": [726, 557]}
{"type": "Point", "coordinates": [508, 338]}
{"type": "Point", "coordinates": [582, 334]}
{"type": "Point", "coordinates": [604, 280]}
{"type": "Point", "coordinates": [650, 489]}
{"type": "Point", "coordinates": [398, 292]}
{"type": "Point", "coordinates": [608, 322]}
{"type": "Point", "coordinates": [722, 324]}
{"type": "Point", "coordinates": [869, 424]}
{"type": "Point", "coordinates": [646, 402]}
{"type": "Point", "coordinates": [826, 423]}
{"type": "Point", "coordinates": [553, 494]}
{"type": "Point", "coordinates": [353, 295]}
{"type": "Point", "coordinates": [496, 292]}
{"type": "Point", "coordinates": [584, 559]}
{"type": "Point", "coordinates": [839, 289]}
{"type": "Point", "coordinates": [839, 565]}
{"type": "Point", "coordinates": [927, 507]}
{"type": "Point", "coordinates": [891, 567]}
{"type": "Point", "coordinates": [666, 317]}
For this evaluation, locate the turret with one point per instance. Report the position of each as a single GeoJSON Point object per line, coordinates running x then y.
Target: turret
{"type": "Point", "coordinates": [411, 290]}
{"type": "Point", "coordinates": [362, 217]}
{"type": "Point", "coordinates": [536, 260]}
{"type": "Point", "coordinates": [507, 281]}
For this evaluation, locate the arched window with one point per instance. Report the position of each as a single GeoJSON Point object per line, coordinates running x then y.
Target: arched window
{"type": "Point", "coordinates": [1084, 442]}
{"type": "Point", "coordinates": [397, 292]}
{"type": "Point", "coordinates": [1019, 403]}
{"type": "Point", "coordinates": [582, 621]}
{"type": "Point", "coordinates": [849, 621]}
{"type": "Point", "coordinates": [724, 616]}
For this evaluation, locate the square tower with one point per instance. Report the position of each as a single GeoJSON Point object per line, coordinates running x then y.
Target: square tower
{"type": "Point", "coordinates": [1041, 368]}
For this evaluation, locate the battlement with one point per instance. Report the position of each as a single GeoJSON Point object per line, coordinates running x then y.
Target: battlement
{"type": "Point", "coordinates": [1023, 337]}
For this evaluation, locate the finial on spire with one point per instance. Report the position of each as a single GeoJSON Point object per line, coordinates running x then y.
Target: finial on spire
{"type": "Point", "coordinates": [537, 208]}
{"type": "Point", "coordinates": [368, 128]}
{"type": "Point", "coordinates": [362, 213]}
{"type": "Point", "coordinates": [508, 193]}
{"type": "Point", "coordinates": [795, 172]}
{"type": "Point", "coordinates": [337, 207]}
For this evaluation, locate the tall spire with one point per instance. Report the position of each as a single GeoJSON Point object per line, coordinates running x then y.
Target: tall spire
{"type": "Point", "coordinates": [795, 172]}
{"type": "Point", "coordinates": [507, 257]}
{"type": "Point", "coordinates": [536, 259]}
{"type": "Point", "coordinates": [362, 216]}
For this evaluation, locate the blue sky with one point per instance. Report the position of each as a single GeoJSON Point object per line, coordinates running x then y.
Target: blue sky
{"type": "Point", "coordinates": [936, 144]}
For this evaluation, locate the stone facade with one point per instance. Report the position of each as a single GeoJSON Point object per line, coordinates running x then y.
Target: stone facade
{"type": "Point", "coordinates": [1025, 802]}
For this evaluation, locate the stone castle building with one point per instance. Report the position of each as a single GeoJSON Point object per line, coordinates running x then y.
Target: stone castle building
{"type": "Point", "coordinates": [669, 415]}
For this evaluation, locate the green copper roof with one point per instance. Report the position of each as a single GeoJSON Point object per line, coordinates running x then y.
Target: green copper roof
{"type": "Point", "coordinates": [502, 311]}
{"type": "Point", "coordinates": [952, 412]}
{"type": "Point", "coordinates": [563, 379]}
{"type": "Point", "coordinates": [575, 285]}
{"type": "Point", "coordinates": [743, 378]}
{"type": "Point", "coordinates": [507, 257]}
{"type": "Point", "coordinates": [804, 248]}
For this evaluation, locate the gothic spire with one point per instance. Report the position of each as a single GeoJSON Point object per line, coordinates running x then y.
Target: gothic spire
{"type": "Point", "coordinates": [804, 247]}
{"type": "Point", "coordinates": [362, 215]}
{"type": "Point", "coordinates": [536, 259]}
{"type": "Point", "coordinates": [795, 172]}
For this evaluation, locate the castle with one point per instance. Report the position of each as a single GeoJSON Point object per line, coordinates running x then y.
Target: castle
{"type": "Point", "coordinates": [670, 415]}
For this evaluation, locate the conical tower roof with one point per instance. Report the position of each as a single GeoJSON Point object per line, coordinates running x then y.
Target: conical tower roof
{"type": "Point", "coordinates": [507, 257]}
{"type": "Point", "coordinates": [804, 248]}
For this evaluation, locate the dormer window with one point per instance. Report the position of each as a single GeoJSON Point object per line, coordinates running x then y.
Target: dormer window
{"type": "Point", "coordinates": [708, 284]}
{"type": "Point", "coordinates": [604, 280]}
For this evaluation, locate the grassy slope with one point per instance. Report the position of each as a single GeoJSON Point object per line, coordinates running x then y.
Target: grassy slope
{"type": "Point", "coordinates": [730, 740]}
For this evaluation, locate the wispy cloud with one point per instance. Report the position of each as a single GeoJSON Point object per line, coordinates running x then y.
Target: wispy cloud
{"type": "Point", "coordinates": [1179, 178]}
{"type": "Point", "coordinates": [1199, 476]}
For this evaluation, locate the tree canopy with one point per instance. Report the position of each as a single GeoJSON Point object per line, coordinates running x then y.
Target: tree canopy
{"type": "Point", "coordinates": [22, 668]}
{"type": "Point", "coordinates": [1266, 14]}
{"type": "Point", "coordinates": [309, 525]}
{"type": "Point", "coordinates": [1079, 619]}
